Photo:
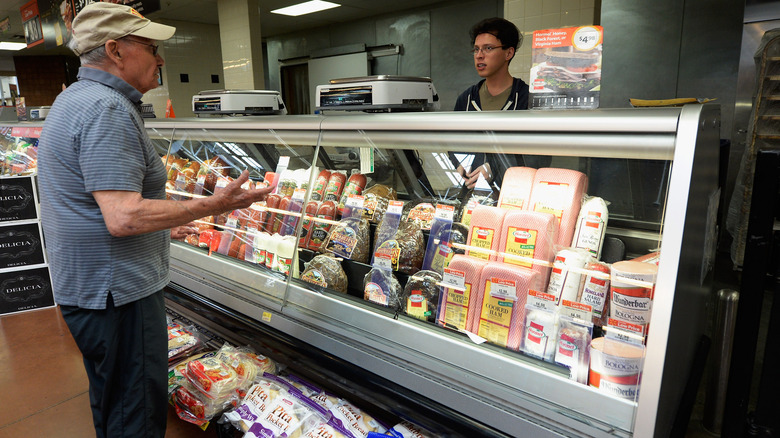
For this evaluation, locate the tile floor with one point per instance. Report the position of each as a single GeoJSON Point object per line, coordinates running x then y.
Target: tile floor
{"type": "Point", "coordinates": [43, 385]}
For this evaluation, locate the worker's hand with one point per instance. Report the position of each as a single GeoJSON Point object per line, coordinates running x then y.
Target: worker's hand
{"type": "Point", "coordinates": [473, 176]}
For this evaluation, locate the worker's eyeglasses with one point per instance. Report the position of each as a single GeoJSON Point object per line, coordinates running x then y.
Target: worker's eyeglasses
{"type": "Point", "coordinates": [153, 46]}
{"type": "Point", "coordinates": [487, 50]}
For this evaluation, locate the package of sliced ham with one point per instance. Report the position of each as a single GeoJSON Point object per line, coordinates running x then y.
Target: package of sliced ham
{"type": "Point", "coordinates": [457, 307]}
{"type": "Point", "coordinates": [502, 298]}
{"type": "Point", "coordinates": [516, 188]}
{"type": "Point", "coordinates": [528, 240]}
{"type": "Point", "coordinates": [560, 192]}
{"type": "Point", "coordinates": [485, 232]}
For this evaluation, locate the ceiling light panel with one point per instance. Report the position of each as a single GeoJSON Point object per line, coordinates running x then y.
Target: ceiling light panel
{"type": "Point", "coordinates": [305, 8]}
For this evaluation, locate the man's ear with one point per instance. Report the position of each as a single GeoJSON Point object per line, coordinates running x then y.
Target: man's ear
{"type": "Point", "coordinates": [510, 53]}
{"type": "Point", "coordinates": [112, 51]}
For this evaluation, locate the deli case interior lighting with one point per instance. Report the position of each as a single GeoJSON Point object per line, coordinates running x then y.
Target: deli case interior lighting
{"type": "Point", "coordinates": [305, 8]}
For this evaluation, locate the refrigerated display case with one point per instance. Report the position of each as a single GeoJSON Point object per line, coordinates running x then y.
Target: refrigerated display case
{"type": "Point", "coordinates": [656, 167]}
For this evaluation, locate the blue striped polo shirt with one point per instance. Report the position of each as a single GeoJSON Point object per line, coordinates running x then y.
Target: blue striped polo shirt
{"type": "Point", "coordinates": [94, 139]}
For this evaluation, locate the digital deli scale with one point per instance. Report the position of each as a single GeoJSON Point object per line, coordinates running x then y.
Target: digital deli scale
{"type": "Point", "coordinates": [384, 93]}
{"type": "Point", "coordinates": [238, 102]}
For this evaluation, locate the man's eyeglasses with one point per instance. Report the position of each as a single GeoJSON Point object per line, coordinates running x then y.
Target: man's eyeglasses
{"type": "Point", "coordinates": [154, 47]}
{"type": "Point", "coordinates": [487, 50]}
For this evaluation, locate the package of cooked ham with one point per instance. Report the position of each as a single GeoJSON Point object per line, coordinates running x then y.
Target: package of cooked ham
{"type": "Point", "coordinates": [516, 188]}
{"type": "Point", "coordinates": [528, 240]}
{"type": "Point", "coordinates": [485, 232]}
{"type": "Point", "coordinates": [560, 192]}
{"type": "Point", "coordinates": [501, 299]}
{"type": "Point", "coordinates": [461, 279]}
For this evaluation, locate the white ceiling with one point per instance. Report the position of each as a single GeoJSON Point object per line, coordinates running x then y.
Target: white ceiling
{"type": "Point", "coordinates": [205, 11]}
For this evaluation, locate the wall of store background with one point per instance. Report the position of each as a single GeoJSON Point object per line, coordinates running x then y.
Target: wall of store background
{"type": "Point", "coordinates": [652, 50]}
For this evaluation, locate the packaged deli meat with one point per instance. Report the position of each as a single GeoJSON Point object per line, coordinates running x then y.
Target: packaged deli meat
{"type": "Point", "coordinates": [421, 295]}
{"type": "Point", "coordinates": [411, 247]}
{"type": "Point", "coordinates": [380, 286]}
{"type": "Point", "coordinates": [528, 240]}
{"type": "Point", "coordinates": [320, 184]}
{"type": "Point", "coordinates": [211, 376]}
{"type": "Point", "coordinates": [335, 186]}
{"type": "Point", "coordinates": [439, 252]}
{"type": "Point", "coordinates": [350, 239]}
{"type": "Point", "coordinates": [320, 229]}
{"type": "Point", "coordinates": [354, 186]}
{"type": "Point", "coordinates": [567, 272]}
{"type": "Point", "coordinates": [595, 291]}
{"type": "Point", "coordinates": [458, 308]}
{"type": "Point", "coordinates": [424, 209]}
{"type": "Point", "coordinates": [182, 341]}
{"type": "Point", "coordinates": [195, 407]}
{"type": "Point", "coordinates": [502, 298]}
{"type": "Point", "coordinates": [572, 348]}
{"type": "Point", "coordinates": [459, 236]}
{"type": "Point", "coordinates": [485, 232]}
{"type": "Point", "coordinates": [468, 209]}
{"type": "Point", "coordinates": [382, 191]}
{"type": "Point", "coordinates": [386, 231]}
{"type": "Point", "coordinates": [591, 226]}
{"type": "Point", "coordinates": [326, 271]}
{"type": "Point", "coordinates": [516, 188]}
{"type": "Point", "coordinates": [560, 192]}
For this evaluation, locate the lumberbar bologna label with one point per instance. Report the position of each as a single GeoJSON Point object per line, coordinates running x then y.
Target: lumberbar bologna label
{"type": "Point", "coordinates": [17, 200]}
{"type": "Point", "coordinates": [631, 291]}
{"type": "Point", "coordinates": [21, 245]}
{"type": "Point", "coordinates": [25, 290]}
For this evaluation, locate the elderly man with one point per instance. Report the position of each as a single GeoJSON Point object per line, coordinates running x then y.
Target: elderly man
{"type": "Point", "coordinates": [106, 220]}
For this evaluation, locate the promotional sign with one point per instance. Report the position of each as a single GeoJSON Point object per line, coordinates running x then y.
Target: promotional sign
{"type": "Point", "coordinates": [566, 68]}
{"type": "Point", "coordinates": [25, 290]}
{"type": "Point", "coordinates": [31, 21]}
{"type": "Point", "coordinates": [21, 245]}
{"type": "Point", "coordinates": [17, 199]}
{"type": "Point", "coordinates": [56, 20]}
{"type": "Point", "coordinates": [142, 6]}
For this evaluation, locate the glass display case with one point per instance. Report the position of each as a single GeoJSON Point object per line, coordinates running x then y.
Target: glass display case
{"type": "Point", "coordinates": [462, 338]}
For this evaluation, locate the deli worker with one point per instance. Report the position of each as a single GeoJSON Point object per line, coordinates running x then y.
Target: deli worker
{"type": "Point", "coordinates": [495, 42]}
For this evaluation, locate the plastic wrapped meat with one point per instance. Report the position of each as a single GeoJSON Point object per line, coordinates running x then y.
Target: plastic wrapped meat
{"type": "Point", "coordinates": [326, 271]}
{"type": "Point", "coordinates": [421, 295]}
{"type": "Point", "coordinates": [350, 239]}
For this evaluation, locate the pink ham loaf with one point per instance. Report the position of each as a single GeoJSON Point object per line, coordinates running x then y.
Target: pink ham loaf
{"type": "Point", "coordinates": [458, 309]}
{"type": "Point", "coordinates": [529, 234]}
{"type": "Point", "coordinates": [516, 188]}
{"type": "Point", "coordinates": [485, 231]}
{"type": "Point", "coordinates": [560, 192]}
{"type": "Point", "coordinates": [501, 299]}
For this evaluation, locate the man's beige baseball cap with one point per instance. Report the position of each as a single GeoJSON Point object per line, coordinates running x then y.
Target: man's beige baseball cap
{"type": "Point", "coordinates": [99, 22]}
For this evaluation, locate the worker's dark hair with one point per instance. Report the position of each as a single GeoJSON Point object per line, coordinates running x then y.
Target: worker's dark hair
{"type": "Point", "coordinates": [504, 30]}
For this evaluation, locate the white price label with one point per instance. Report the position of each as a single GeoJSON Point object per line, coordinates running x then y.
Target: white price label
{"type": "Point", "coordinates": [454, 279]}
{"type": "Point", "coordinates": [503, 289]}
{"type": "Point", "coordinates": [383, 262]}
{"type": "Point", "coordinates": [446, 212]}
{"type": "Point", "coordinates": [395, 207]}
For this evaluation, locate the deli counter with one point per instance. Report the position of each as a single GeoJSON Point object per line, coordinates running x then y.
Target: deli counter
{"type": "Point", "coordinates": [654, 168]}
